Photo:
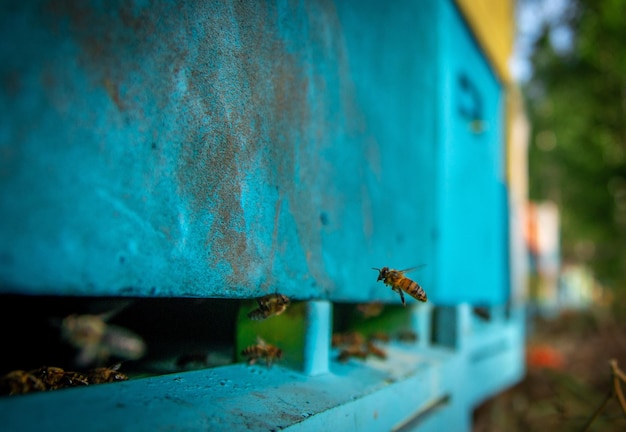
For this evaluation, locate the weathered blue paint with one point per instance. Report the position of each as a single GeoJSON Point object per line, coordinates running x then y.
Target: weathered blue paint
{"type": "Point", "coordinates": [232, 149]}
{"type": "Point", "coordinates": [219, 149]}
{"type": "Point", "coordinates": [472, 252]}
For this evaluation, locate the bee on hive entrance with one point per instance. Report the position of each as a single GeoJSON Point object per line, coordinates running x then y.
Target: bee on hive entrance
{"type": "Point", "coordinates": [103, 375]}
{"type": "Point", "coordinates": [262, 350]}
{"type": "Point", "coordinates": [357, 351]}
{"type": "Point", "coordinates": [401, 284]}
{"type": "Point", "coordinates": [269, 305]}
{"type": "Point", "coordinates": [354, 344]}
{"type": "Point", "coordinates": [20, 382]}
{"type": "Point", "coordinates": [55, 378]}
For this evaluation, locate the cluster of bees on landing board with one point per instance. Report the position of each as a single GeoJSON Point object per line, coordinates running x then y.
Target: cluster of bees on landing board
{"type": "Point", "coordinates": [54, 378]}
{"type": "Point", "coordinates": [96, 341]}
{"type": "Point", "coordinates": [353, 344]}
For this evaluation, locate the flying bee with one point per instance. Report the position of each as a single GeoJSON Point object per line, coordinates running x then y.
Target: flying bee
{"type": "Point", "coordinates": [262, 350]}
{"type": "Point", "coordinates": [401, 284]}
{"type": "Point", "coordinates": [269, 305]}
{"type": "Point", "coordinates": [97, 340]}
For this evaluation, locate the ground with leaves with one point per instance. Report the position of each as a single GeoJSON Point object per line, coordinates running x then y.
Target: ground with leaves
{"type": "Point", "coordinates": [568, 377]}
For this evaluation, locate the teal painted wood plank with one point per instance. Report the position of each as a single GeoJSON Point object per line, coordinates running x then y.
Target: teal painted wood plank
{"type": "Point", "coordinates": [472, 254]}
{"type": "Point", "coordinates": [233, 149]}
{"type": "Point", "coordinates": [240, 397]}
{"type": "Point", "coordinates": [496, 358]}
{"type": "Point", "coordinates": [216, 149]}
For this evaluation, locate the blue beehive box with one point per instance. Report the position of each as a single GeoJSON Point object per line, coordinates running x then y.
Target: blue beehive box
{"type": "Point", "coordinates": [228, 150]}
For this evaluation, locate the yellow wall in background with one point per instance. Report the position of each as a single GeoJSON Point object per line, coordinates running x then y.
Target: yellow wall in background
{"type": "Point", "coordinates": [493, 23]}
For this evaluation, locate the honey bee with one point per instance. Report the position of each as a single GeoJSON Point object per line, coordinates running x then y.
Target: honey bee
{"type": "Point", "coordinates": [356, 350]}
{"type": "Point", "coordinates": [370, 310]}
{"type": "Point", "coordinates": [354, 344]}
{"type": "Point", "coordinates": [103, 375]}
{"type": "Point", "coordinates": [269, 305]}
{"type": "Point", "coordinates": [348, 338]}
{"type": "Point", "coordinates": [379, 336]}
{"type": "Point", "coordinates": [97, 340]}
{"type": "Point", "coordinates": [401, 284]}
{"type": "Point", "coordinates": [55, 378]}
{"type": "Point", "coordinates": [378, 352]}
{"type": "Point", "coordinates": [262, 350]}
{"type": "Point", "coordinates": [20, 382]}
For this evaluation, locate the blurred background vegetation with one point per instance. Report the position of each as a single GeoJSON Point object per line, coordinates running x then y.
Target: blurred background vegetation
{"type": "Point", "coordinates": [575, 95]}
{"type": "Point", "coordinates": [576, 103]}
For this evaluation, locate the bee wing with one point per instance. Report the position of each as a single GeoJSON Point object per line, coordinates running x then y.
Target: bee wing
{"type": "Point", "coordinates": [116, 366]}
{"type": "Point", "coordinates": [89, 355]}
{"type": "Point", "coordinates": [264, 302]}
{"type": "Point", "coordinates": [257, 314]}
{"type": "Point", "coordinates": [261, 302]}
{"type": "Point", "coordinates": [410, 269]}
{"type": "Point", "coordinates": [106, 316]}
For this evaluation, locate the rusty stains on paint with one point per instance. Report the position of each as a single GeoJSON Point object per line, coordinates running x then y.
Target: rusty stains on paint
{"type": "Point", "coordinates": [209, 178]}
{"type": "Point", "coordinates": [249, 98]}
{"type": "Point", "coordinates": [113, 91]}
{"type": "Point", "coordinates": [215, 162]}
{"type": "Point", "coordinates": [115, 47]}
{"type": "Point", "coordinates": [277, 208]}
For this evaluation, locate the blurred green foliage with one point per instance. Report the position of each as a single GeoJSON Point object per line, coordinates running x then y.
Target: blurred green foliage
{"type": "Point", "coordinates": [576, 101]}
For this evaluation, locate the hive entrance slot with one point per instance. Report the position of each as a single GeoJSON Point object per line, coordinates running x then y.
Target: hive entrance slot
{"type": "Point", "coordinates": [149, 336]}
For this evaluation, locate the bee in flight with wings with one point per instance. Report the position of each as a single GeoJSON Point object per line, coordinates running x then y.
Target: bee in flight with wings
{"type": "Point", "coordinates": [269, 305]}
{"type": "Point", "coordinates": [401, 284]}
